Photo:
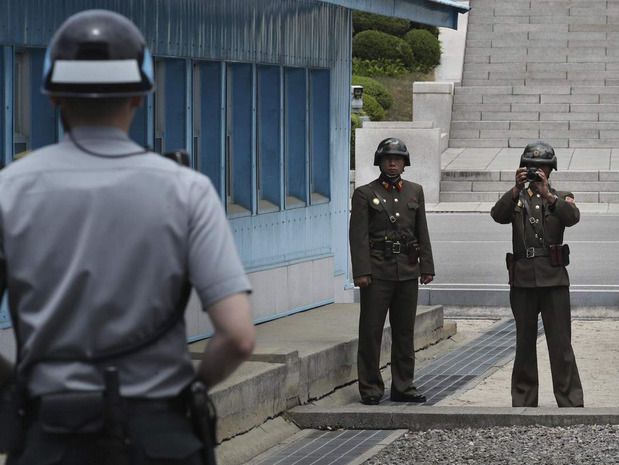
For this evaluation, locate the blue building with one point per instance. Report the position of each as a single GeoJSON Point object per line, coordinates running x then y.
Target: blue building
{"type": "Point", "coordinates": [258, 92]}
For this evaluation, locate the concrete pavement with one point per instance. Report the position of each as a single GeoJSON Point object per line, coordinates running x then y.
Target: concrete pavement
{"type": "Point", "coordinates": [486, 400]}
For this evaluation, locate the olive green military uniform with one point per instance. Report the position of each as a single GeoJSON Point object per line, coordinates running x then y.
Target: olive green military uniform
{"type": "Point", "coordinates": [538, 287]}
{"type": "Point", "coordinates": [394, 276]}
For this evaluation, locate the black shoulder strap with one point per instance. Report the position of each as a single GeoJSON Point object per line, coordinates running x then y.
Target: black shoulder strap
{"type": "Point", "coordinates": [390, 216]}
{"type": "Point", "coordinates": [528, 218]}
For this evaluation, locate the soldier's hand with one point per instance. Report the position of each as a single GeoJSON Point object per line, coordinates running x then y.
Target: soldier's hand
{"type": "Point", "coordinates": [521, 179]}
{"type": "Point", "coordinates": [363, 281]}
{"type": "Point", "coordinates": [426, 279]}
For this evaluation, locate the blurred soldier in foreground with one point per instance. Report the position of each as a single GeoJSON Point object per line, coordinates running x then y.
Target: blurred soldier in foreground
{"type": "Point", "coordinates": [539, 282]}
{"type": "Point", "coordinates": [390, 250]}
{"type": "Point", "coordinates": [101, 242]}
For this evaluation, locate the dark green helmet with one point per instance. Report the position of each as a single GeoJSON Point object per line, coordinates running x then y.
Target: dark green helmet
{"type": "Point", "coordinates": [538, 154]}
{"type": "Point", "coordinates": [392, 146]}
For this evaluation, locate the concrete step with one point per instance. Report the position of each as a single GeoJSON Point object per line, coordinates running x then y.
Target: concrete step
{"type": "Point", "coordinates": [409, 417]}
{"type": "Point", "coordinates": [519, 142]}
{"type": "Point", "coordinates": [605, 127]}
{"type": "Point", "coordinates": [503, 186]}
{"type": "Point", "coordinates": [497, 295]}
{"type": "Point", "coordinates": [300, 358]}
{"type": "Point", "coordinates": [481, 196]}
{"type": "Point", "coordinates": [508, 175]}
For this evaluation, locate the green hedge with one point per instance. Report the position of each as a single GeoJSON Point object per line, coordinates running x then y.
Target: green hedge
{"type": "Point", "coordinates": [431, 29]}
{"type": "Point", "coordinates": [368, 21]}
{"type": "Point", "coordinates": [375, 89]}
{"type": "Point", "coordinates": [382, 67]}
{"type": "Point", "coordinates": [372, 108]}
{"type": "Point", "coordinates": [426, 47]}
{"type": "Point", "coordinates": [374, 45]}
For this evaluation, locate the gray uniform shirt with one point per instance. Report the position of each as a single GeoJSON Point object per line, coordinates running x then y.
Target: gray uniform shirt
{"type": "Point", "coordinates": [94, 252]}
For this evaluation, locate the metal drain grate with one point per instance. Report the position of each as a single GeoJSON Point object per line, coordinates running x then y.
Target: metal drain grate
{"type": "Point", "coordinates": [437, 381]}
{"type": "Point", "coordinates": [449, 373]}
{"type": "Point", "coordinates": [325, 448]}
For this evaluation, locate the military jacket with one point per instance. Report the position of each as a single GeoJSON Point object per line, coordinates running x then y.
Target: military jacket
{"type": "Point", "coordinates": [546, 227]}
{"type": "Point", "coordinates": [372, 205]}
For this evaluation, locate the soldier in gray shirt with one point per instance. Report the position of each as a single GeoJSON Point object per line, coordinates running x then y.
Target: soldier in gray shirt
{"type": "Point", "coordinates": [99, 243]}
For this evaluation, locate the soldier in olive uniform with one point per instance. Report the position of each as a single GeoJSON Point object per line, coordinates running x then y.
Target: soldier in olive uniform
{"type": "Point", "coordinates": [539, 281]}
{"type": "Point", "coordinates": [390, 251]}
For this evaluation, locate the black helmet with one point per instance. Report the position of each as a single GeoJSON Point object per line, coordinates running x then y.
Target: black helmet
{"type": "Point", "coordinates": [538, 154]}
{"type": "Point", "coordinates": [97, 53]}
{"type": "Point", "coordinates": [392, 146]}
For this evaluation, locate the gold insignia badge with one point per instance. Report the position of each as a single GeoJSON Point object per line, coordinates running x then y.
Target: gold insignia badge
{"type": "Point", "coordinates": [375, 201]}
{"type": "Point", "coordinates": [520, 203]}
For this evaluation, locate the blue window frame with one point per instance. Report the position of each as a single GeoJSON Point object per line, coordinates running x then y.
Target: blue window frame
{"type": "Point", "coordinates": [208, 127]}
{"type": "Point", "coordinates": [239, 139]}
{"type": "Point", "coordinates": [295, 131]}
{"type": "Point", "coordinates": [170, 105]}
{"type": "Point", "coordinates": [320, 142]}
{"type": "Point", "coordinates": [21, 102]}
{"type": "Point", "coordinates": [268, 138]}
{"type": "Point", "coordinates": [6, 95]}
{"type": "Point", "coordinates": [43, 114]}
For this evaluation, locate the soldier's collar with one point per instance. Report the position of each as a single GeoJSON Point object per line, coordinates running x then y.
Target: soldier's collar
{"type": "Point", "coordinates": [388, 184]}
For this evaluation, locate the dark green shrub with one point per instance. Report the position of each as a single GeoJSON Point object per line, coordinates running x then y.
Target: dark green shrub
{"type": "Point", "coordinates": [381, 67]}
{"type": "Point", "coordinates": [375, 89]}
{"type": "Point", "coordinates": [374, 45]}
{"type": "Point", "coordinates": [372, 108]}
{"type": "Point", "coordinates": [426, 49]}
{"type": "Point", "coordinates": [431, 29]}
{"type": "Point", "coordinates": [367, 21]}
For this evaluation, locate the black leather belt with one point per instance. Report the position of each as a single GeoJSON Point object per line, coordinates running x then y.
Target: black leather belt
{"type": "Point", "coordinates": [132, 404]}
{"type": "Point", "coordinates": [397, 247]}
{"type": "Point", "coordinates": [532, 252]}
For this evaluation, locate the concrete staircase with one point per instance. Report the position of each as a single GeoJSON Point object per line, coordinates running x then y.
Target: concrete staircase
{"type": "Point", "coordinates": [488, 186]}
{"type": "Point", "coordinates": [539, 69]}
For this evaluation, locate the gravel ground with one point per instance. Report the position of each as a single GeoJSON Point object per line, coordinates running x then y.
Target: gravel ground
{"type": "Point", "coordinates": [537, 445]}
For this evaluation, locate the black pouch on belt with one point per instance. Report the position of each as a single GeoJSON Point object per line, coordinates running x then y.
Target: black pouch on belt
{"type": "Point", "coordinates": [11, 419]}
{"type": "Point", "coordinates": [72, 412]}
{"type": "Point", "coordinates": [559, 255]}
{"type": "Point", "coordinates": [509, 261]}
{"type": "Point", "coordinates": [413, 252]}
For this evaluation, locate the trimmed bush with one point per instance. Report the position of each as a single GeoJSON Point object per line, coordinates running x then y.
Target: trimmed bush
{"type": "Point", "coordinates": [367, 21]}
{"type": "Point", "coordinates": [374, 45]}
{"type": "Point", "coordinates": [431, 29]}
{"type": "Point", "coordinates": [373, 68]}
{"type": "Point", "coordinates": [375, 89]}
{"type": "Point", "coordinates": [426, 48]}
{"type": "Point", "coordinates": [372, 108]}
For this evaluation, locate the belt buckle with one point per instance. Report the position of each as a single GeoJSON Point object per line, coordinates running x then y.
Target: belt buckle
{"type": "Point", "coordinates": [397, 247]}
{"type": "Point", "coordinates": [530, 252]}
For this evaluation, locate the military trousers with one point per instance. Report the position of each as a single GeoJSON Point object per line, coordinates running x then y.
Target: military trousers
{"type": "Point", "coordinates": [399, 299]}
{"type": "Point", "coordinates": [554, 305]}
{"type": "Point", "coordinates": [155, 434]}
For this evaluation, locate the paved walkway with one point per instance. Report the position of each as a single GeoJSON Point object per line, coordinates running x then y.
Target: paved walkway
{"type": "Point", "coordinates": [597, 356]}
